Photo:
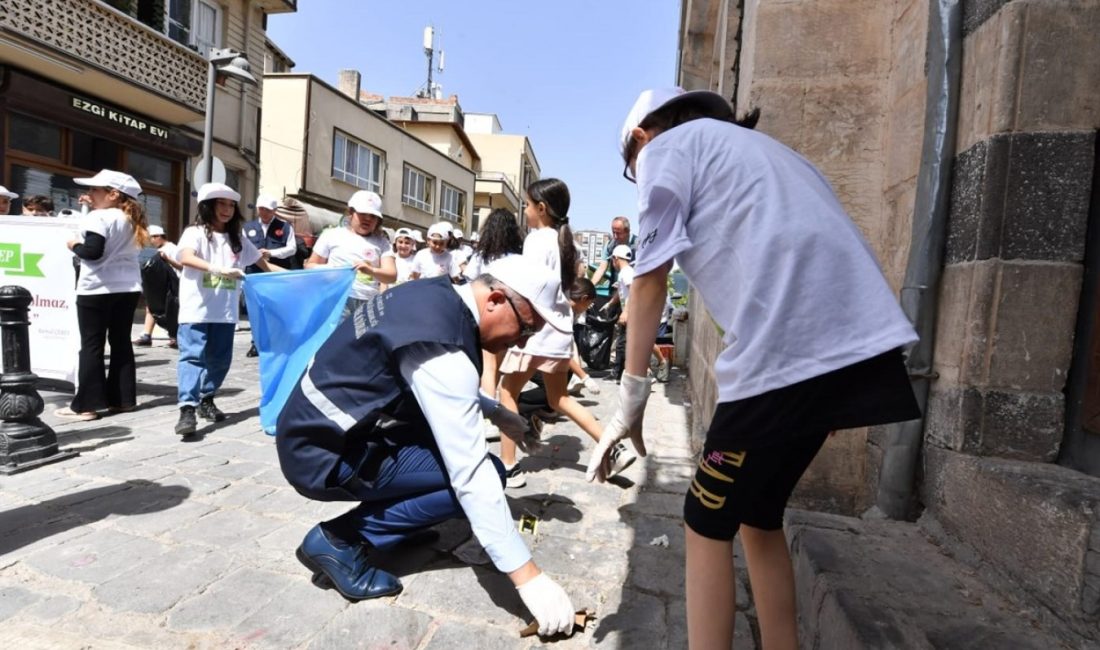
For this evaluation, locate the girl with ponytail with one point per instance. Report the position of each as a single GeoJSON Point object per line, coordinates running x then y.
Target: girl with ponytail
{"type": "Point", "coordinates": [549, 242]}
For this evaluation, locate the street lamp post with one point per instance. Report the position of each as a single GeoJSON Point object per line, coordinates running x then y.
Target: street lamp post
{"type": "Point", "coordinates": [230, 63]}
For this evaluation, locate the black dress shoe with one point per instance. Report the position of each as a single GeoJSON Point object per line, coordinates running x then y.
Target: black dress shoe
{"type": "Point", "coordinates": [343, 566]}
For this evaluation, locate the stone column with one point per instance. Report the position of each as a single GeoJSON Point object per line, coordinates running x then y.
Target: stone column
{"type": "Point", "coordinates": [26, 441]}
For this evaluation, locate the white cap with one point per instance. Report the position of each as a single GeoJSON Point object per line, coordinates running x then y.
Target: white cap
{"type": "Point", "coordinates": [218, 191]}
{"type": "Point", "coordinates": [267, 201]}
{"type": "Point", "coordinates": [124, 183]}
{"type": "Point", "coordinates": [623, 251]}
{"type": "Point", "coordinates": [538, 284]}
{"type": "Point", "coordinates": [457, 232]}
{"type": "Point", "coordinates": [8, 193]}
{"type": "Point", "coordinates": [156, 231]}
{"type": "Point", "coordinates": [474, 236]}
{"type": "Point", "coordinates": [366, 202]}
{"type": "Point", "coordinates": [405, 232]}
{"type": "Point", "coordinates": [651, 100]}
{"type": "Point", "coordinates": [441, 230]}
{"type": "Point", "coordinates": [417, 235]}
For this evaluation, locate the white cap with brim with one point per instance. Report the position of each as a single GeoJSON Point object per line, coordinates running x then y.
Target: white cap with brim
{"type": "Point", "coordinates": [537, 284]}
{"type": "Point", "coordinates": [651, 100]}
{"type": "Point", "coordinates": [8, 193]}
{"type": "Point", "coordinates": [111, 179]}
{"type": "Point", "coordinates": [210, 191]}
{"type": "Point", "coordinates": [366, 202]}
{"type": "Point", "coordinates": [156, 231]}
{"type": "Point", "coordinates": [622, 251]}
{"type": "Point", "coordinates": [441, 230]}
{"type": "Point", "coordinates": [267, 201]}
{"type": "Point", "coordinates": [457, 232]}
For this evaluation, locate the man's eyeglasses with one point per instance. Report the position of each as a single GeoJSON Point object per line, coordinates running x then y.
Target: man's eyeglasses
{"type": "Point", "coordinates": [628, 173]}
{"type": "Point", "coordinates": [526, 330]}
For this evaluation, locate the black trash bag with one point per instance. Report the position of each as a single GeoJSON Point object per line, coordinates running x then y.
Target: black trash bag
{"type": "Point", "coordinates": [162, 287]}
{"type": "Point", "coordinates": [595, 344]}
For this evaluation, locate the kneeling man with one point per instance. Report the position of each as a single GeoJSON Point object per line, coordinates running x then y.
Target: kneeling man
{"type": "Point", "coordinates": [389, 414]}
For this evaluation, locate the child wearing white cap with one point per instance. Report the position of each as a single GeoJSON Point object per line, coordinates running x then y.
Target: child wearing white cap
{"type": "Point", "coordinates": [813, 336]}
{"type": "Point", "coordinates": [214, 254]}
{"type": "Point", "coordinates": [166, 251]}
{"type": "Point", "coordinates": [361, 245]}
{"type": "Point", "coordinates": [107, 293]}
{"type": "Point", "coordinates": [436, 260]}
{"type": "Point", "coordinates": [6, 197]}
{"type": "Point", "coordinates": [404, 251]}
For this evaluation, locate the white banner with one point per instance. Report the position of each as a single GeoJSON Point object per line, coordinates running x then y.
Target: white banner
{"type": "Point", "coordinates": [33, 255]}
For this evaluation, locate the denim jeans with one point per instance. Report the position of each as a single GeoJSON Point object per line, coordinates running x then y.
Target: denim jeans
{"type": "Point", "coordinates": [206, 350]}
{"type": "Point", "coordinates": [410, 491]}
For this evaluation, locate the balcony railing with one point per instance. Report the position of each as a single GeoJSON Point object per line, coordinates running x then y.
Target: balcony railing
{"type": "Point", "coordinates": [278, 6]}
{"type": "Point", "coordinates": [95, 34]}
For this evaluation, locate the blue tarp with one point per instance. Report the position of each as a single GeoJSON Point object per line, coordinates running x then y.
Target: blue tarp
{"type": "Point", "coordinates": [291, 313]}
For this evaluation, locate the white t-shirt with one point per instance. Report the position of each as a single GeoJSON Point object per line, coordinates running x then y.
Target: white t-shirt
{"type": "Point", "coordinates": [541, 247]}
{"type": "Point", "coordinates": [404, 267]}
{"type": "Point", "coordinates": [343, 248]}
{"type": "Point", "coordinates": [205, 297]}
{"type": "Point", "coordinates": [779, 265]}
{"type": "Point", "coordinates": [117, 271]}
{"type": "Point", "coordinates": [474, 267]}
{"type": "Point", "coordinates": [432, 265]}
{"type": "Point", "coordinates": [171, 251]}
{"type": "Point", "coordinates": [626, 276]}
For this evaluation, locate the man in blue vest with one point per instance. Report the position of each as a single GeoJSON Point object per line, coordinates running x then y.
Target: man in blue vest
{"type": "Point", "coordinates": [272, 236]}
{"type": "Point", "coordinates": [388, 413]}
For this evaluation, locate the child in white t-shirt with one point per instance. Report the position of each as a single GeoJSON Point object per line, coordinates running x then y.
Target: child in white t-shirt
{"type": "Point", "coordinates": [362, 244]}
{"type": "Point", "coordinates": [404, 251]}
{"type": "Point", "coordinates": [813, 336]}
{"type": "Point", "coordinates": [435, 260]}
{"type": "Point", "coordinates": [213, 254]}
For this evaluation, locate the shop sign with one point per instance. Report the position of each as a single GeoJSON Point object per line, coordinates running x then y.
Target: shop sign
{"type": "Point", "coordinates": [120, 118]}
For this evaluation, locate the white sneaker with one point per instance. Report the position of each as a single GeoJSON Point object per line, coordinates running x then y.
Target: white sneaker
{"type": "Point", "coordinates": [591, 385]}
{"type": "Point", "coordinates": [576, 386]}
{"type": "Point", "coordinates": [492, 433]}
{"type": "Point", "coordinates": [621, 458]}
{"type": "Point", "coordinates": [513, 477]}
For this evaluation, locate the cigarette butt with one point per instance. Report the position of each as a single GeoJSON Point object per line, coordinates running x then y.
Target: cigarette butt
{"type": "Point", "coordinates": [580, 620]}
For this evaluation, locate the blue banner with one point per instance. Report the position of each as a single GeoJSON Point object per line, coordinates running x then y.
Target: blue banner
{"type": "Point", "coordinates": [291, 313]}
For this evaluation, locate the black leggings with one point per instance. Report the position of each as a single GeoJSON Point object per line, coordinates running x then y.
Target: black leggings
{"type": "Point", "coordinates": [106, 318]}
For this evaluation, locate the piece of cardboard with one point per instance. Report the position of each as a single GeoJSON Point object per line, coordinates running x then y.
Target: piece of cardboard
{"type": "Point", "coordinates": [581, 619]}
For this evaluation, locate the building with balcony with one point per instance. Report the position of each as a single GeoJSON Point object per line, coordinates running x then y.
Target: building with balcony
{"type": "Point", "coordinates": [321, 145]}
{"type": "Point", "coordinates": [88, 84]}
{"type": "Point", "coordinates": [508, 165]}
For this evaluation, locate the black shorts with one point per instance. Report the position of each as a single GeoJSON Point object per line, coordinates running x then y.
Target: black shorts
{"type": "Point", "coordinates": [758, 448]}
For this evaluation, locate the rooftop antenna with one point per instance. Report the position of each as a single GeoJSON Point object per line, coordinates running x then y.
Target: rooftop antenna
{"type": "Point", "coordinates": [431, 89]}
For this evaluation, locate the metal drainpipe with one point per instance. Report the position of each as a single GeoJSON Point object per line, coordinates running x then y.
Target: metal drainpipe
{"type": "Point", "coordinates": [919, 294]}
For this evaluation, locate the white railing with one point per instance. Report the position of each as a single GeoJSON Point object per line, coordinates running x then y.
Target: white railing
{"type": "Point", "coordinates": [94, 33]}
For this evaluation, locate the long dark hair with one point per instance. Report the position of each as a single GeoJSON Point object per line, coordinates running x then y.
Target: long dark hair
{"type": "Point", "coordinates": [500, 236]}
{"type": "Point", "coordinates": [555, 195]}
{"type": "Point", "coordinates": [207, 216]}
{"type": "Point", "coordinates": [678, 113]}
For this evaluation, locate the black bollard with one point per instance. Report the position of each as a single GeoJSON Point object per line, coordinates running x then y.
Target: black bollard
{"type": "Point", "coordinates": [26, 441]}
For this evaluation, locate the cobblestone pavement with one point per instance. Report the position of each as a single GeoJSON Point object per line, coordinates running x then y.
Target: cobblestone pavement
{"type": "Point", "coordinates": [144, 541]}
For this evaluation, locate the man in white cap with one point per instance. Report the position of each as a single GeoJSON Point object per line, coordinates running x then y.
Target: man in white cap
{"type": "Point", "coordinates": [272, 236]}
{"type": "Point", "coordinates": [6, 197]}
{"type": "Point", "coordinates": [389, 414]}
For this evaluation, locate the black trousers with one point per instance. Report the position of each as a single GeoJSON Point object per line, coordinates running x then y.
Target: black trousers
{"type": "Point", "coordinates": [620, 352]}
{"type": "Point", "coordinates": [106, 318]}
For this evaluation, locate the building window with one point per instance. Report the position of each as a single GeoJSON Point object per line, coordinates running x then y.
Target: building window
{"type": "Point", "coordinates": [356, 163]}
{"type": "Point", "coordinates": [32, 136]}
{"type": "Point", "coordinates": [416, 190]}
{"type": "Point", "coordinates": [452, 203]}
{"type": "Point", "coordinates": [195, 23]}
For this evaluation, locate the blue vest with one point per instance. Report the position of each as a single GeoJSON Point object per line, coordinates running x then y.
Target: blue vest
{"type": "Point", "coordinates": [277, 234]}
{"type": "Point", "coordinates": [356, 375]}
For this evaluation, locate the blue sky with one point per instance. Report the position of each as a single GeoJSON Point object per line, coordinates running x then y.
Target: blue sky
{"type": "Point", "coordinates": [563, 73]}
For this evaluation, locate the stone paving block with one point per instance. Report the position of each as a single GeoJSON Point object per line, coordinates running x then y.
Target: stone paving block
{"type": "Point", "coordinates": [648, 528]}
{"type": "Point", "coordinates": [158, 521]}
{"type": "Point", "coordinates": [225, 529]}
{"type": "Point", "coordinates": [374, 624]}
{"type": "Point", "coordinates": [273, 477]}
{"type": "Point", "coordinates": [13, 599]}
{"type": "Point", "coordinates": [487, 596]}
{"type": "Point", "coordinates": [238, 494]}
{"type": "Point", "coordinates": [198, 484]}
{"type": "Point", "coordinates": [449, 636]}
{"type": "Point", "coordinates": [112, 468]}
{"type": "Point", "coordinates": [560, 556]}
{"type": "Point", "coordinates": [158, 584]}
{"type": "Point", "coordinates": [632, 619]}
{"type": "Point", "coordinates": [277, 626]}
{"type": "Point", "coordinates": [656, 570]}
{"type": "Point", "coordinates": [45, 488]}
{"type": "Point", "coordinates": [228, 602]}
{"type": "Point", "coordinates": [20, 542]}
{"type": "Point", "coordinates": [202, 463]}
{"type": "Point", "coordinates": [245, 451]}
{"type": "Point", "coordinates": [655, 503]}
{"type": "Point", "coordinates": [54, 607]}
{"type": "Point", "coordinates": [282, 502]}
{"type": "Point", "coordinates": [95, 557]}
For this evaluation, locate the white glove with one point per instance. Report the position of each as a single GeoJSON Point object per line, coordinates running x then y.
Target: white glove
{"type": "Point", "coordinates": [627, 421]}
{"type": "Point", "coordinates": [515, 427]}
{"type": "Point", "coordinates": [549, 604]}
{"type": "Point", "coordinates": [591, 385]}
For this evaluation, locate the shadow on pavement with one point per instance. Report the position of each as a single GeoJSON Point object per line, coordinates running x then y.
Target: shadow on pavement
{"type": "Point", "coordinates": [26, 525]}
{"type": "Point", "coordinates": [94, 438]}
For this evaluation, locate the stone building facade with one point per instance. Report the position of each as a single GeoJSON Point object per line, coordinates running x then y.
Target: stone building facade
{"type": "Point", "coordinates": [1007, 475]}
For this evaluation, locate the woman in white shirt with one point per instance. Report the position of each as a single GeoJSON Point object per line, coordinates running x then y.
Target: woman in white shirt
{"type": "Point", "coordinates": [107, 293]}
{"type": "Point", "coordinates": [214, 254]}
{"type": "Point", "coordinates": [361, 245]}
{"type": "Point", "coordinates": [550, 243]}
{"type": "Point", "coordinates": [435, 260]}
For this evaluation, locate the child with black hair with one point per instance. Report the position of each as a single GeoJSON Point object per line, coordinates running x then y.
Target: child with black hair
{"type": "Point", "coordinates": [813, 337]}
{"type": "Point", "coordinates": [213, 254]}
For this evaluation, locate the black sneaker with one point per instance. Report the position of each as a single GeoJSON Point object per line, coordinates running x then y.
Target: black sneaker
{"type": "Point", "coordinates": [208, 411]}
{"type": "Point", "coordinates": [143, 341]}
{"type": "Point", "coordinates": [187, 424]}
{"type": "Point", "coordinates": [252, 351]}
